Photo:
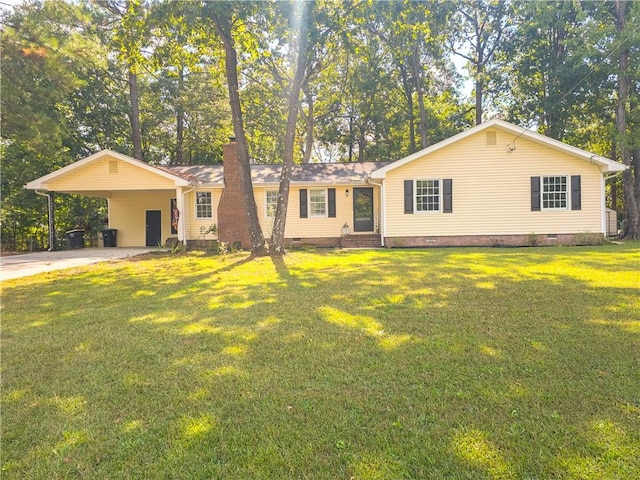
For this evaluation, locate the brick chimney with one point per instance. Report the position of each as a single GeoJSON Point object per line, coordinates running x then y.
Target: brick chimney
{"type": "Point", "coordinates": [232, 219]}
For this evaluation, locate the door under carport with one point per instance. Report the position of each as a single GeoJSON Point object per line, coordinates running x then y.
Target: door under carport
{"type": "Point", "coordinates": [153, 228]}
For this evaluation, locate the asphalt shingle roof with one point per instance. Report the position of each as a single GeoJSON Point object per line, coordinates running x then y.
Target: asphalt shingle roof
{"type": "Point", "coordinates": [328, 173]}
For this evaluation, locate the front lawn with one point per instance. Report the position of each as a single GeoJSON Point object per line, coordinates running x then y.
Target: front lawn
{"type": "Point", "coordinates": [385, 364]}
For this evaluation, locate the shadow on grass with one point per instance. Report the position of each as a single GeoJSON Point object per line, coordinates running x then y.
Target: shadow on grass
{"type": "Point", "coordinates": [402, 364]}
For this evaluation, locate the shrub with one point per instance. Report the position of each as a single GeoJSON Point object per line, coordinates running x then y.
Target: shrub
{"type": "Point", "coordinates": [533, 239]}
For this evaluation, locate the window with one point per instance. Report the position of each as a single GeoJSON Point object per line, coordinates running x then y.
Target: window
{"type": "Point", "coordinates": [427, 195]}
{"type": "Point", "coordinates": [554, 193]}
{"type": "Point", "coordinates": [318, 203]}
{"type": "Point", "coordinates": [204, 207]}
{"type": "Point", "coordinates": [272, 202]}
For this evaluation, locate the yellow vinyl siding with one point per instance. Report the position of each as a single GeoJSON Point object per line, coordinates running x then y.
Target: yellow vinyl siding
{"type": "Point", "coordinates": [312, 227]}
{"type": "Point", "coordinates": [127, 214]}
{"type": "Point", "coordinates": [260, 195]}
{"type": "Point", "coordinates": [194, 224]}
{"type": "Point", "coordinates": [96, 176]}
{"type": "Point", "coordinates": [492, 190]}
{"type": "Point", "coordinates": [315, 227]}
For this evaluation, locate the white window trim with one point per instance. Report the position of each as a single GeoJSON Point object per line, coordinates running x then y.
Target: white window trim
{"type": "Point", "coordinates": [195, 204]}
{"type": "Point", "coordinates": [266, 204]}
{"type": "Point", "coordinates": [326, 203]}
{"type": "Point", "coordinates": [415, 196]}
{"type": "Point", "coordinates": [567, 193]}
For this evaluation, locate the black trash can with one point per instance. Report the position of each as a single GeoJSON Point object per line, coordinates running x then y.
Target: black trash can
{"type": "Point", "coordinates": [75, 238]}
{"type": "Point", "coordinates": [109, 237]}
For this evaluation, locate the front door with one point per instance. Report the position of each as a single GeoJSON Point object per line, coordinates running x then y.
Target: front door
{"type": "Point", "coordinates": [154, 228]}
{"type": "Point", "coordinates": [363, 209]}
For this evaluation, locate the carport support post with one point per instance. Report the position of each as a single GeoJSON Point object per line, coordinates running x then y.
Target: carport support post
{"type": "Point", "coordinates": [52, 218]}
{"type": "Point", "coordinates": [52, 223]}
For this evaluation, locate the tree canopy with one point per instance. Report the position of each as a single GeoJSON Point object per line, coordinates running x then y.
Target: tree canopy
{"type": "Point", "coordinates": [379, 80]}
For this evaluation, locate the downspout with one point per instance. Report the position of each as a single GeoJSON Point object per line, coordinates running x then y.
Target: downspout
{"type": "Point", "coordinates": [614, 175]}
{"type": "Point", "coordinates": [383, 223]}
{"type": "Point", "coordinates": [182, 220]}
{"type": "Point", "coordinates": [603, 214]}
{"type": "Point", "coordinates": [52, 223]}
{"type": "Point", "coordinates": [603, 217]}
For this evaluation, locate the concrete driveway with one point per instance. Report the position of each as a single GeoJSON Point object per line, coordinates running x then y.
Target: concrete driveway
{"type": "Point", "coordinates": [16, 266]}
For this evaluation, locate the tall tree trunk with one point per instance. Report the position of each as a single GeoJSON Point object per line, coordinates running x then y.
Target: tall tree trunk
{"type": "Point", "coordinates": [479, 81]}
{"type": "Point", "coordinates": [362, 143]}
{"type": "Point", "coordinates": [417, 67]}
{"type": "Point", "coordinates": [134, 115]}
{"type": "Point", "coordinates": [631, 205]}
{"type": "Point", "coordinates": [309, 121]}
{"type": "Point", "coordinates": [180, 119]}
{"type": "Point", "coordinates": [635, 160]}
{"type": "Point", "coordinates": [223, 28]}
{"type": "Point", "coordinates": [351, 134]}
{"type": "Point", "coordinates": [408, 93]}
{"type": "Point", "coordinates": [555, 104]}
{"type": "Point", "coordinates": [277, 235]}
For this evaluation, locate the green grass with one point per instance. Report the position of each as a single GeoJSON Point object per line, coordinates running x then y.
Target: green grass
{"type": "Point", "coordinates": [435, 363]}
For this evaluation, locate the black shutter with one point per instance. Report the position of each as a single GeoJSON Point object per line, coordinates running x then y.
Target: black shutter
{"type": "Point", "coordinates": [332, 202]}
{"type": "Point", "coordinates": [576, 196]}
{"type": "Point", "coordinates": [303, 203]}
{"type": "Point", "coordinates": [408, 196]}
{"type": "Point", "coordinates": [535, 194]}
{"type": "Point", "coordinates": [447, 187]}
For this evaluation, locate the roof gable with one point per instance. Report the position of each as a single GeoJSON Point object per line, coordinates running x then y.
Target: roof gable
{"type": "Point", "coordinates": [40, 183]}
{"type": "Point", "coordinates": [606, 165]}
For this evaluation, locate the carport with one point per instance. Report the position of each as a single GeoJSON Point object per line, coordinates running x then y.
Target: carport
{"type": "Point", "coordinates": [144, 201]}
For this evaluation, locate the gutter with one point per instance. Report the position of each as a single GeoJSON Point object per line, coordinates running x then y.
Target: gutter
{"type": "Point", "coordinates": [605, 177]}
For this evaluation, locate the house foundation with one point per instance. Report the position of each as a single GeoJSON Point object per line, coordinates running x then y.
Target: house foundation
{"type": "Point", "coordinates": [529, 240]}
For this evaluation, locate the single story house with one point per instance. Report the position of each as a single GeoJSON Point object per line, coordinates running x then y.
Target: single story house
{"type": "Point", "coordinates": [493, 184]}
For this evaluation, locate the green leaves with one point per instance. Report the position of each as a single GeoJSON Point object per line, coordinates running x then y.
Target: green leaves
{"type": "Point", "coordinates": [379, 82]}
